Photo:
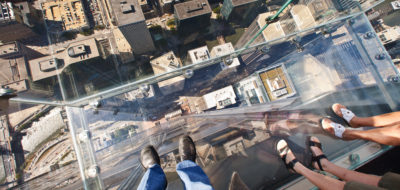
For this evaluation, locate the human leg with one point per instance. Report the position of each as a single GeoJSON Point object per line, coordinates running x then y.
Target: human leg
{"type": "Point", "coordinates": [383, 120]}
{"type": "Point", "coordinates": [319, 180]}
{"type": "Point", "coordinates": [383, 135]}
{"type": "Point", "coordinates": [154, 178]}
{"type": "Point", "coordinates": [342, 173]}
{"type": "Point", "coordinates": [192, 176]}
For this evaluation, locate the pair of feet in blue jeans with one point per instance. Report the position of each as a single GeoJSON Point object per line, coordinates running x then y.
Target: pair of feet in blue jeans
{"type": "Point", "coordinates": [187, 151]}
{"type": "Point", "coordinates": [192, 176]}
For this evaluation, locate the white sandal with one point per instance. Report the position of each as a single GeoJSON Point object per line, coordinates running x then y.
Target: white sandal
{"type": "Point", "coordinates": [346, 114]}
{"type": "Point", "coordinates": [337, 128]}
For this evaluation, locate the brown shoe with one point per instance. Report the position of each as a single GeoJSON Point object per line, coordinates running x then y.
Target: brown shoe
{"type": "Point", "coordinates": [187, 149]}
{"type": "Point", "coordinates": [149, 157]}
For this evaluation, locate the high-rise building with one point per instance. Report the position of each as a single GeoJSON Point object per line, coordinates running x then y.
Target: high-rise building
{"type": "Point", "coordinates": [166, 6]}
{"type": "Point", "coordinates": [223, 50]}
{"type": "Point", "coordinates": [274, 30]}
{"type": "Point", "coordinates": [390, 35]}
{"type": "Point", "coordinates": [166, 63]}
{"type": "Point", "coordinates": [241, 12]}
{"type": "Point", "coordinates": [49, 66]}
{"type": "Point", "coordinates": [6, 13]}
{"type": "Point", "coordinates": [13, 70]}
{"type": "Point", "coordinates": [148, 8]}
{"type": "Point", "coordinates": [302, 17]}
{"type": "Point", "coordinates": [345, 4]}
{"type": "Point", "coordinates": [199, 54]}
{"type": "Point", "coordinates": [192, 14]}
{"type": "Point", "coordinates": [128, 16]}
{"type": "Point", "coordinates": [250, 91]}
{"type": "Point", "coordinates": [25, 13]}
{"type": "Point", "coordinates": [64, 15]}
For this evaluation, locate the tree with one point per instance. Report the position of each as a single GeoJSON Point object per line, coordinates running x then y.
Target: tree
{"type": "Point", "coordinates": [217, 10]}
{"type": "Point", "coordinates": [87, 31]}
{"type": "Point", "coordinates": [99, 27]}
{"type": "Point", "coordinates": [171, 22]}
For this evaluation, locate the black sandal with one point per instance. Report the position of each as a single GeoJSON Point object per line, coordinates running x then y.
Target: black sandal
{"type": "Point", "coordinates": [319, 157]}
{"type": "Point", "coordinates": [285, 150]}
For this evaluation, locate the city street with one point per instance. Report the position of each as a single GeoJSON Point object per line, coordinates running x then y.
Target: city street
{"type": "Point", "coordinates": [7, 157]}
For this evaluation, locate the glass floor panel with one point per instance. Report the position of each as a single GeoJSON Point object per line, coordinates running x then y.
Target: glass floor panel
{"type": "Point", "coordinates": [294, 91]}
{"type": "Point", "coordinates": [234, 105]}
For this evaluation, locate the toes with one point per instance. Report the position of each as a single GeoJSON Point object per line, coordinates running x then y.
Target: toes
{"type": "Point", "coordinates": [336, 108]}
{"type": "Point", "coordinates": [315, 139]}
{"type": "Point", "coordinates": [281, 146]}
{"type": "Point", "coordinates": [326, 124]}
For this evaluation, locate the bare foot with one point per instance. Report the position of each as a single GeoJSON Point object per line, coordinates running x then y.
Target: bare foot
{"type": "Point", "coordinates": [337, 109]}
{"type": "Point", "coordinates": [317, 152]}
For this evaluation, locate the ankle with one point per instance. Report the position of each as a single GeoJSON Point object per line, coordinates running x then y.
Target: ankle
{"type": "Point", "coordinates": [327, 165]}
{"type": "Point", "coordinates": [299, 168]}
{"type": "Point", "coordinates": [348, 134]}
{"type": "Point", "coordinates": [355, 121]}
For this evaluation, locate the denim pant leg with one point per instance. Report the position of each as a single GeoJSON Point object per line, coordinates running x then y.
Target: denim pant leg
{"type": "Point", "coordinates": [192, 176]}
{"type": "Point", "coordinates": [153, 179]}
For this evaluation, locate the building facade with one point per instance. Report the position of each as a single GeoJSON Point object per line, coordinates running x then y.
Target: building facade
{"type": "Point", "coordinates": [241, 12]}
{"type": "Point", "coordinates": [128, 16]}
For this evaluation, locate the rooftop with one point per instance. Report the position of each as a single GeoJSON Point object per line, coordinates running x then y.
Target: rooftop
{"type": "Point", "coordinates": [165, 63]}
{"type": "Point", "coordinates": [142, 2]}
{"type": "Point", "coordinates": [69, 12]}
{"type": "Point", "coordinates": [241, 2]}
{"type": "Point", "coordinates": [6, 13]}
{"type": "Point", "coordinates": [7, 49]}
{"type": "Point", "coordinates": [199, 54]}
{"type": "Point", "coordinates": [274, 30]}
{"type": "Point", "coordinates": [225, 49]}
{"type": "Point", "coordinates": [78, 51]}
{"type": "Point", "coordinates": [388, 35]}
{"type": "Point", "coordinates": [276, 83]}
{"type": "Point", "coordinates": [302, 17]}
{"type": "Point", "coordinates": [220, 98]}
{"type": "Point", "coordinates": [12, 67]}
{"type": "Point", "coordinates": [191, 9]}
{"type": "Point", "coordinates": [127, 11]}
{"type": "Point", "coordinates": [166, 1]}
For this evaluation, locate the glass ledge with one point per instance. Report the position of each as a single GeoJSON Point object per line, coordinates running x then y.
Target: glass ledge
{"type": "Point", "coordinates": [328, 69]}
{"type": "Point", "coordinates": [114, 109]}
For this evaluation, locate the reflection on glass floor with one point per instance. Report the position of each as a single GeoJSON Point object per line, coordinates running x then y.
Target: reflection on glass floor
{"type": "Point", "coordinates": [294, 92]}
